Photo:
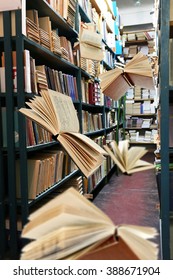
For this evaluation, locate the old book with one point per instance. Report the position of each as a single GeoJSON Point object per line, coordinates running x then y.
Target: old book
{"type": "Point", "coordinates": [71, 227]}
{"type": "Point", "coordinates": [137, 72]}
{"type": "Point", "coordinates": [55, 112]}
{"type": "Point", "coordinates": [128, 159]}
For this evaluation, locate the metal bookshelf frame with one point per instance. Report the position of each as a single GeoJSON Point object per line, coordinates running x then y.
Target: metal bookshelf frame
{"type": "Point", "coordinates": [164, 99]}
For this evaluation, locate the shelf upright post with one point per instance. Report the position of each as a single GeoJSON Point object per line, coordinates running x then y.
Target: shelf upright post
{"type": "Point", "coordinates": [21, 118]}
{"type": "Point", "coordinates": [2, 199]}
{"type": "Point", "coordinates": [11, 176]}
{"type": "Point", "coordinates": [164, 97]}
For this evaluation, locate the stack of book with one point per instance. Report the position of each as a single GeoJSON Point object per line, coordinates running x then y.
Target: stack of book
{"type": "Point", "coordinates": [41, 78]}
{"type": "Point", "coordinates": [137, 92]}
{"type": "Point", "coordinates": [32, 29]}
{"type": "Point", "coordinates": [45, 32]}
{"type": "Point", "coordinates": [144, 93]}
{"type": "Point", "coordinates": [56, 46]}
{"type": "Point", "coordinates": [66, 49]}
{"type": "Point", "coordinates": [133, 50]}
{"type": "Point", "coordinates": [131, 36]}
{"type": "Point", "coordinates": [140, 36]}
{"type": "Point", "coordinates": [71, 13]}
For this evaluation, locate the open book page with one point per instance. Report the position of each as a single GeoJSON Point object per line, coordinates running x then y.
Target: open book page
{"type": "Point", "coordinates": [108, 77]}
{"type": "Point", "coordinates": [114, 158]}
{"type": "Point", "coordinates": [66, 241]}
{"type": "Point", "coordinates": [70, 223]}
{"type": "Point", "coordinates": [136, 238]}
{"type": "Point", "coordinates": [54, 111]}
{"type": "Point", "coordinates": [116, 150]}
{"type": "Point", "coordinates": [64, 110]}
{"type": "Point", "coordinates": [123, 147]}
{"type": "Point", "coordinates": [135, 153]}
{"type": "Point", "coordinates": [70, 197]}
{"type": "Point", "coordinates": [46, 112]}
{"type": "Point", "coordinates": [141, 165]}
{"type": "Point", "coordinates": [81, 151]}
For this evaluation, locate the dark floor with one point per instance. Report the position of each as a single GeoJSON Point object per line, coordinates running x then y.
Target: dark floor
{"type": "Point", "coordinates": [132, 199]}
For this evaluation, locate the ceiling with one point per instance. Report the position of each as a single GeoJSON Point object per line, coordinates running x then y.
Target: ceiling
{"type": "Point", "coordinates": [131, 14]}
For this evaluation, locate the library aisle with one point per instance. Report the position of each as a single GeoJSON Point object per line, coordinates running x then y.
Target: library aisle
{"type": "Point", "coordinates": [132, 199]}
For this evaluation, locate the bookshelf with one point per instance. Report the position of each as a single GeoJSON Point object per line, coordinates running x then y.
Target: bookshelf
{"type": "Point", "coordinates": [165, 130]}
{"type": "Point", "coordinates": [30, 145]}
{"type": "Point", "coordinates": [141, 116]}
{"type": "Point", "coordinates": [140, 40]}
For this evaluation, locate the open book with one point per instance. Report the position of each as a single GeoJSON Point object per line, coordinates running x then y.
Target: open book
{"type": "Point", "coordinates": [137, 72]}
{"type": "Point", "coordinates": [56, 113]}
{"type": "Point", "coordinates": [72, 227]}
{"type": "Point", "coordinates": [128, 159]}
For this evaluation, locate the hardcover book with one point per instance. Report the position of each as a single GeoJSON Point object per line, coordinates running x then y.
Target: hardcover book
{"type": "Point", "coordinates": [137, 72]}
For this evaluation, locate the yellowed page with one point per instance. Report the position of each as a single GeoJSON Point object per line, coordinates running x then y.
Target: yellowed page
{"type": "Point", "coordinates": [70, 197]}
{"type": "Point", "coordinates": [116, 161]}
{"type": "Point", "coordinates": [136, 238]}
{"type": "Point", "coordinates": [117, 152]}
{"type": "Point", "coordinates": [135, 153]}
{"type": "Point", "coordinates": [123, 148]}
{"type": "Point", "coordinates": [86, 159]}
{"type": "Point", "coordinates": [65, 111]}
{"type": "Point", "coordinates": [141, 165]}
{"type": "Point", "coordinates": [65, 241]}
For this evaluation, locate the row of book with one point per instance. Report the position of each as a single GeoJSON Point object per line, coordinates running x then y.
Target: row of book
{"type": "Point", "coordinates": [39, 77]}
{"type": "Point", "coordinates": [44, 170]}
{"type": "Point", "coordinates": [140, 93]}
{"type": "Point", "coordinates": [91, 92]}
{"type": "Point", "coordinates": [111, 118]}
{"type": "Point", "coordinates": [35, 134]}
{"type": "Point", "coordinates": [104, 21]}
{"type": "Point", "coordinates": [136, 122]}
{"type": "Point", "coordinates": [145, 107]}
{"type": "Point", "coordinates": [66, 8]}
{"type": "Point", "coordinates": [149, 136]}
{"type": "Point", "coordinates": [39, 30]}
{"type": "Point", "coordinates": [91, 122]}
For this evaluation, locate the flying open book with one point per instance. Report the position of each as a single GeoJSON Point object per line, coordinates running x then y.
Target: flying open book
{"type": "Point", "coordinates": [71, 227]}
{"type": "Point", "coordinates": [56, 113]}
{"type": "Point", "coordinates": [128, 159]}
{"type": "Point", "coordinates": [137, 72]}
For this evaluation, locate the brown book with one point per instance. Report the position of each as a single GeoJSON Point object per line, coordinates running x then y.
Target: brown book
{"type": "Point", "coordinates": [56, 113]}
{"type": "Point", "coordinates": [128, 160]}
{"type": "Point", "coordinates": [137, 72]}
{"type": "Point", "coordinates": [72, 227]}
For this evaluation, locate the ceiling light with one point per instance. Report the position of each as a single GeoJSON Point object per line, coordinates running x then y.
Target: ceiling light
{"type": "Point", "coordinates": [138, 3]}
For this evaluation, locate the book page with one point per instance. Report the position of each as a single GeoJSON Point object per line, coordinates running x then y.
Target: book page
{"type": "Point", "coordinates": [135, 153]}
{"type": "Point", "coordinates": [87, 159]}
{"type": "Point", "coordinates": [136, 238]}
{"type": "Point", "coordinates": [114, 158]}
{"type": "Point", "coordinates": [65, 112]}
{"type": "Point", "coordinates": [117, 152]}
{"type": "Point", "coordinates": [65, 241]}
{"type": "Point", "coordinates": [141, 165]}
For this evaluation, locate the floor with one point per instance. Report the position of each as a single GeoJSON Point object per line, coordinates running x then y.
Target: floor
{"type": "Point", "coordinates": [132, 199]}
